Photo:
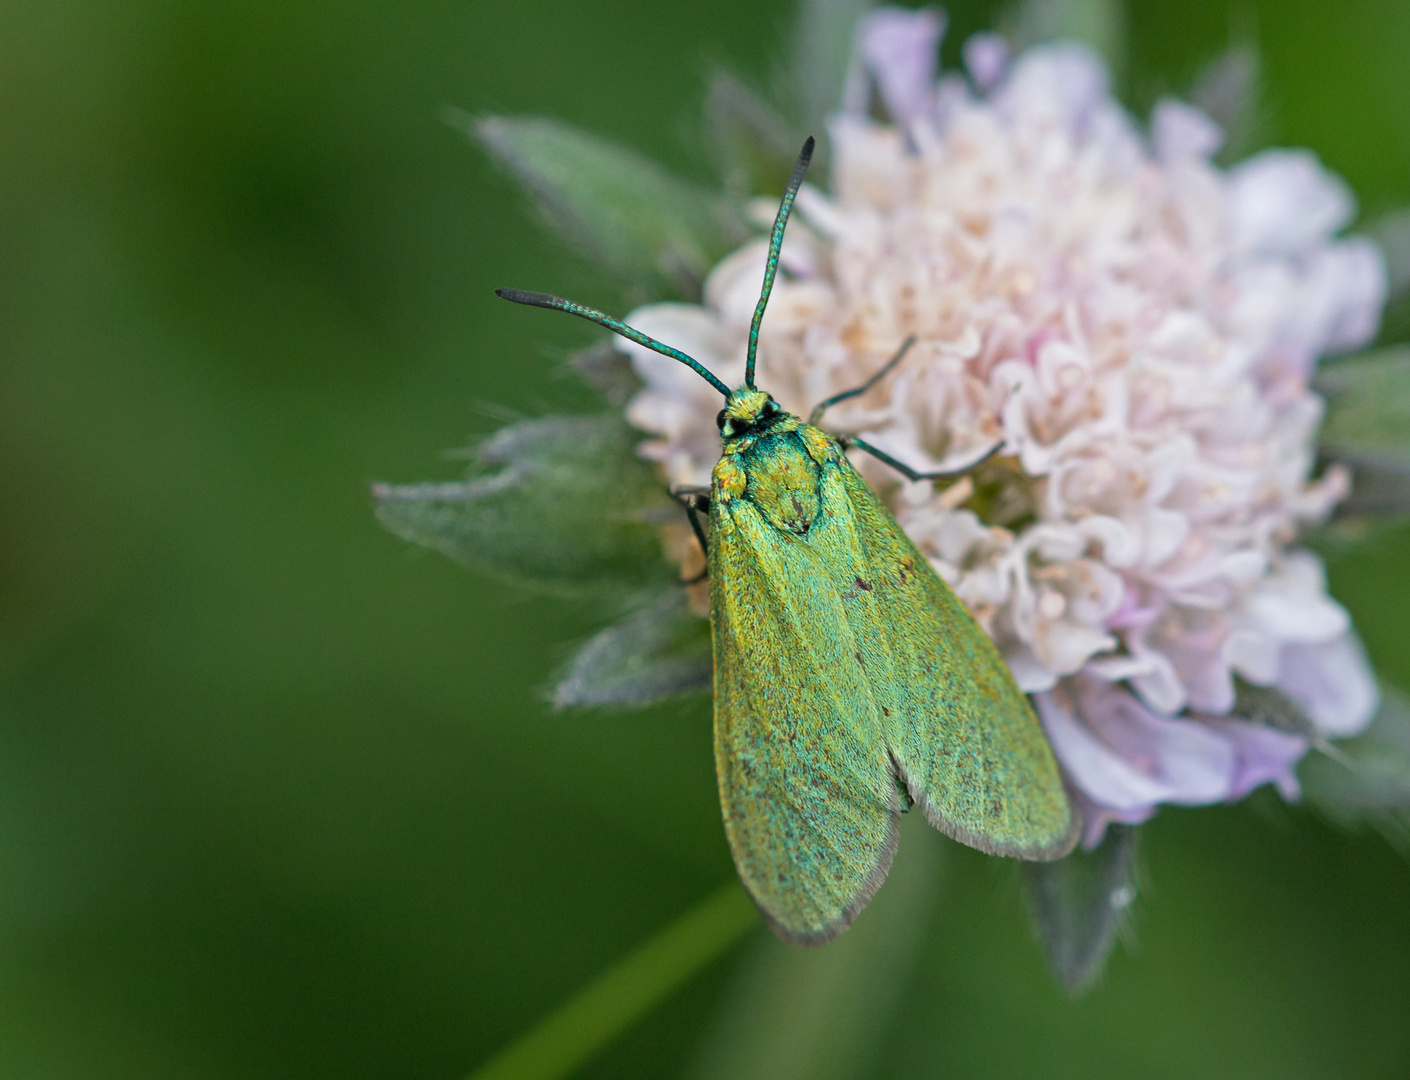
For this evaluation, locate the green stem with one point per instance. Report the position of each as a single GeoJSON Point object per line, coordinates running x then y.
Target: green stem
{"type": "Point", "coordinates": [574, 1032]}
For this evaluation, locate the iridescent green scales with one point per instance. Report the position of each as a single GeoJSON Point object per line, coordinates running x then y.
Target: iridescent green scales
{"type": "Point", "coordinates": [850, 683]}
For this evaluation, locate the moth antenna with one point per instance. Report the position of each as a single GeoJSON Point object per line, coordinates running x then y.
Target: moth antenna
{"type": "Point", "coordinates": [545, 300]}
{"type": "Point", "coordinates": [790, 191]}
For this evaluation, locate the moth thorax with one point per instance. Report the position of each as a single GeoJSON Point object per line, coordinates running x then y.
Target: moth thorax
{"type": "Point", "coordinates": [783, 482]}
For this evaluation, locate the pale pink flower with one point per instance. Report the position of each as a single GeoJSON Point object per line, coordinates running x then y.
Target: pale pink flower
{"type": "Point", "coordinates": [897, 48]}
{"type": "Point", "coordinates": [1139, 327]}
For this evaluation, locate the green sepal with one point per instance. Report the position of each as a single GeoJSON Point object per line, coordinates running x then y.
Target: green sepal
{"type": "Point", "coordinates": [1368, 409]}
{"type": "Point", "coordinates": [754, 145]}
{"type": "Point", "coordinates": [1229, 90]}
{"type": "Point", "coordinates": [1391, 231]}
{"type": "Point", "coordinates": [824, 33]}
{"type": "Point", "coordinates": [1376, 492]}
{"type": "Point", "coordinates": [628, 214]}
{"type": "Point", "coordinates": [561, 502]}
{"type": "Point", "coordinates": [1100, 24]}
{"type": "Point", "coordinates": [1367, 427]}
{"type": "Point", "coordinates": [1270, 708]}
{"type": "Point", "coordinates": [1346, 535]}
{"type": "Point", "coordinates": [1367, 779]}
{"type": "Point", "coordinates": [659, 650]}
{"type": "Point", "coordinates": [755, 136]}
{"type": "Point", "coordinates": [1078, 904]}
{"type": "Point", "coordinates": [608, 370]}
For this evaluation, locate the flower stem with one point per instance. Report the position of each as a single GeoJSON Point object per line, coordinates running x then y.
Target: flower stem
{"type": "Point", "coordinates": [571, 1034]}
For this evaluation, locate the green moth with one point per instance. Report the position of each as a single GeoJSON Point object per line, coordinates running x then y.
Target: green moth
{"type": "Point", "coordinates": [850, 683]}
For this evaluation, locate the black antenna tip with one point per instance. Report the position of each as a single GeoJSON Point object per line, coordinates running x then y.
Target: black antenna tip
{"type": "Point", "coordinates": [795, 179]}
{"type": "Point", "coordinates": [534, 299]}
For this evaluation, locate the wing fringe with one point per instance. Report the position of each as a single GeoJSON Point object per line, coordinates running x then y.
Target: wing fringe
{"type": "Point", "coordinates": [834, 930]}
{"type": "Point", "coordinates": [1047, 853]}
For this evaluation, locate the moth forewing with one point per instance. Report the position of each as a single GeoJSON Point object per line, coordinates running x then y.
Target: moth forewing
{"type": "Point", "coordinates": [965, 740]}
{"type": "Point", "coordinates": [806, 781]}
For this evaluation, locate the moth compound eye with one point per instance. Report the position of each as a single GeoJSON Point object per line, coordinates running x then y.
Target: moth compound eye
{"type": "Point", "coordinates": [720, 419]}
{"type": "Point", "coordinates": [770, 407]}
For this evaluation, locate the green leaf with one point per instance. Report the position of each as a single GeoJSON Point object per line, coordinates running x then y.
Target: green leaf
{"type": "Point", "coordinates": [823, 35]}
{"type": "Point", "coordinates": [570, 507]}
{"type": "Point", "coordinates": [825, 1014]}
{"type": "Point", "coordinates": [1367, 779]}
{"type": "Point", "coordinates": [649, 227]}
{"type": "Point", "coordinates": [656, 652]}
{"type": "Point", "coordinates": [1078, 904]}
{"type": "Point", "coordinates": [1367, 427]}
{"type": "Point", "coordinates": [1100, 24]}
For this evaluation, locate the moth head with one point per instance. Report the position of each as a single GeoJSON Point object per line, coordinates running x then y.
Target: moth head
{"type": "Point", "coordinates": [747, 412]}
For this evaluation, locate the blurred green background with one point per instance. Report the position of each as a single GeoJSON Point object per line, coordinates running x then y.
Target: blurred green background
{"type": "Point", "coordinates": [279, 796]}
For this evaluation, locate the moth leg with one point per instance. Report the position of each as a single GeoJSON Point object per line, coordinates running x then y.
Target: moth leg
{"type": "Point", "coordinates": [695, 499]}
{"type": "Point", "coordinates": [828, 403]}
{"type": "Point", "coordinates": [912, 474]}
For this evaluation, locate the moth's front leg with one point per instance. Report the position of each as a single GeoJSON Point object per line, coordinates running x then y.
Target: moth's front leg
{"type": "Point", "coordinates": [696, 500]}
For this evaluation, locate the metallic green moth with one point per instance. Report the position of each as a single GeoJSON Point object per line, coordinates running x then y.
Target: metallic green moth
{"type": "Point", "coordinates": [850, 683]}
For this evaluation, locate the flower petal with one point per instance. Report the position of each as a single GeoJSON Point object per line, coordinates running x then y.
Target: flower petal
{"type": "Point", "coordinates": [1127, 758]}
{"type": "Point", "coordinates": [1182, 131]}
{"type": "Point", "coordinates": [1332, 682]}
{"type": "Point", "coordinates": [986, 56]}
{"type": "Point", "coordinates": [1264, 756]}
{"type": "Point", "coordinates": [1283, 201]}
{"type": "Point", "coordinates": [900, 48]}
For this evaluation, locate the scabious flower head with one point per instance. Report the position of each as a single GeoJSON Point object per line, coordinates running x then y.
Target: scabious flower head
{"type": "Point", "coordinates": [1138, 326]}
